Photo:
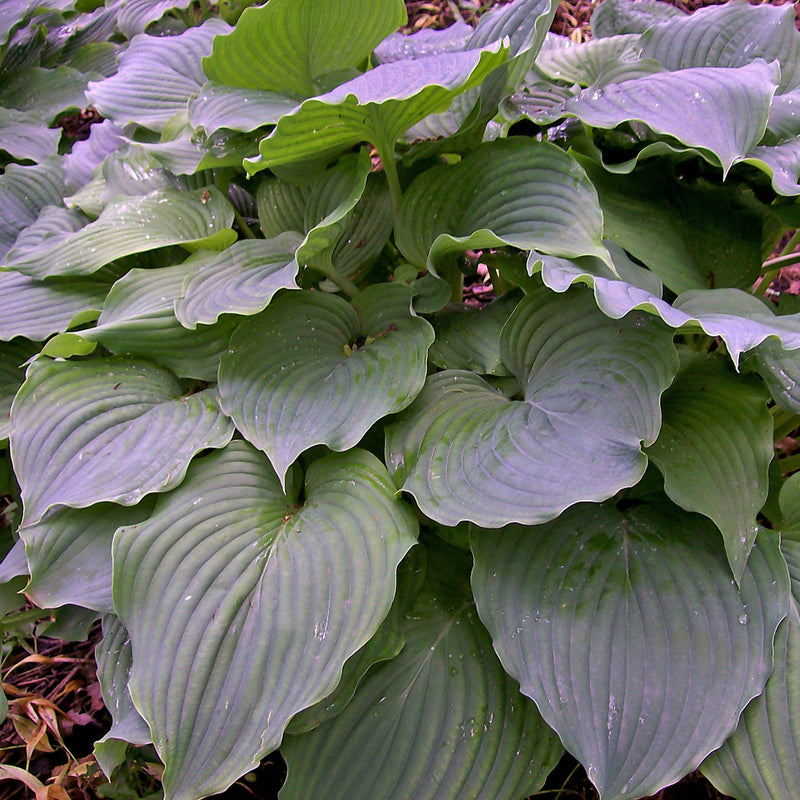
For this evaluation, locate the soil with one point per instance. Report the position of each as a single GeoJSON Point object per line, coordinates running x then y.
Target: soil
{"type": "Point", "coordinates": [52, 686]}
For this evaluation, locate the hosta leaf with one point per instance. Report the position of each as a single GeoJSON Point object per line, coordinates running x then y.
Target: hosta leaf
{"type": "Point", "coordinates": [295, 46]}
{"type": "Point", "coordinates": [156, 78]}
{"type": "Point", "coordinates": [720, 112]}
{"type": "Point", "coordinates": [729, 35]}
{"type": "Point", "coordinates": [218, 106]}
{"type": "Point", "coordinates": [138, 318]}
{"type": "Point", "coordinates": [257, 598]}
{"type": "Point", "coordinates": [697, 236]}
{"type": "Point", "coordinates": [69, 554]}
{"type": "Point", "coordinates": [781, 162]}
{"type": "Point", "coordinates": [24, 192]}
{"type": "Point", "coordinates": [135, 15]}
{"type": "Point", "coordinates": [714, 449]}
{"type": "Point", "coordinates": [86, 156]}
{"type": "Point", "coordinates": [281, 206]}
{"type": "Point", "coordinates": [131, 225]}
{"type": "Point", "coordinates": [629, 634]}
{"type": "Point", "coordinates": [466, 452]}
{"type": "Point", "coordinates": [25, 137]}
{"type": "Point", "coordinates": [614, 17]}
{"type": "Point", "coordinates": [375, 107]}
{"type": "Point", "coordinates": [441, 720]}
{"type": "Point", "coordinates": [761, 760]}
{"type": "Point", "coordinates": [469, 338]}
{"type": "Point", "coordinates": [113, 656]}
{"type": "Point", "coordinates": [584, 64]}
{"type": "Point", "coordinates": [93, 431]}
{"type": "Point", "coordinates": [425, 42]}
{"type": "Point", "coordinates": [240, 280]}
{"type": "Point", "coordinates": [512, 191]}
{"type": "Point", "coordinates": [780, 370]}
{"type": "Point", "coordinates": [45, 92]}
{"type": "Point", "coordinates": [36, 309]}
{"type": "Point", "coordinates": [303, 372]}
{"type": "Point", "coordinates": [13, 356]}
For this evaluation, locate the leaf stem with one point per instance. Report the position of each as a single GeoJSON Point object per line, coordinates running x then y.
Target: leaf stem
{"type": "Point", "coordinates": [322, 263]}
{"type": "Point", "coordinates": [790, 464]}
{"type": "Point", "coordinates": [243, 226]}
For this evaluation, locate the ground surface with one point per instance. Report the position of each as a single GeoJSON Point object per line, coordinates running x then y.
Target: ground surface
{"type": "Point", "coordinates": [56, 708]}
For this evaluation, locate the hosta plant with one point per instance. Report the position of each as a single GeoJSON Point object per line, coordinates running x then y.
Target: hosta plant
{"type": "Point", "coordinates": [322, 504]}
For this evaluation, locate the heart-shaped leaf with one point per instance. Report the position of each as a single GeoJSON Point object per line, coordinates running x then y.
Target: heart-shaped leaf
{"type": "Point", "coordinates": [626, 629]}
{"type": "Point", "coordinates": [440, 721]}
{"type": "Point", "coordinates": [256, 598]}
{"type": "Point", "coordinates": [467, 452]}
{"type": "Point", "coordinates": [293, 46]}
{"type": "Point", "coordinates": [714, 449]}
{"type": "Point", "coordinates": [130, 225]}
{"type": "Point", "coordinates": [91, 431]}
{"type": "Point", "coordinates": [303, 372]}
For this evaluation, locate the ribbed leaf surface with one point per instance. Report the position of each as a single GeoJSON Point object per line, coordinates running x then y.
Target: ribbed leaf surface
{"type": "Point", "coordinates": [614, 17]}
{"type": "Point", "coordinates": [714, 449]}
{"type": "Point", "coordinates": [290, 46]}
{"type": "Point", "coordinates": [138, 318]}
{"type": "Point", "coordinates": [256, 598]}
{"type": "Point", "coordinates": [512, 191]}
{"type": "Point", "coordinates": [375, 107]}
{"type": "Point", "coordinates": [91, 431]}
{"type": "Point", "coordinates": [35, 309]}
{"type": "Point", "coordinates": [627, 630]}
{"type": "Point", "coordinates": [69, 554]}
{"type": "Point", "coordinates": [241, 280]}
{"type": "Point", "coordinates": [441, 721]}
{"type": "Point", "coordinates": [218, 106]}
{"type": "Point", "coordinates": [157, 76]}
{"type": "Point", "coordinates": [132, 225]}
{"type": "Point", "coordinates": [136, 15]}
{"type": "Point", "coordinates": [466, 452]}
{"type": "Point", "coordinates": [761, 760]}
{"type": "Point", "coordinates": [584, 64]}
{"type": "Point", "coordinates": [729, 35]}
{"type": "Point", "coordinates": [25, 137]}
{"type": "Point", "coordinates": [299, 375]}
{"type": "Point", "coordinates": [13, 356]}
{"type": "Point", "coordinates": [720, 112]}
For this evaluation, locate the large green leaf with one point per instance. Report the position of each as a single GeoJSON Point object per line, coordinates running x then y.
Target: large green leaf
{"type": "Point", "coordinates": [113, 656]}
{"type": "Point", "coordinates": [516, 192]}
{"type": "Point", "coordinates": [45, 92]}
{"type": "Point", "coordinates": [91, 431]}
{"type": "Point", "coordinates": [299, 47]}
{"type": "Point", "coordinates": [69, 554]}
{"type": "Point", "coordinates": [157, 76]}
{"type": "Point", "coordinates": [613, 17]}
{"type": "Point", "coordinates": [240, 280]}
{"type": "Point", "coordinates": [761, 760]}
{"type": "Point", "coordinates": [36, 309]}
{"type": "Point", "coordinates": [715, 447]}
{"type": "Point", "coordinates": [696, 237]}
{"type": "Point", "coordinates": [138, 319]}
{"type": "Point", "coordinates": [13, 356]}
{"type": "Point", "coordinates": [305, 371]}
{"type": "Point", "coordinates": [729, 35]}
{"type": "Point", "coordinates": [135, 15]}
{"type": "Point", "coordinates": [721, 112]}
{"type": "Point", "coordinates": [467, 452]}
{"type": "Point", "coordinates": [375, 107]}
{"type": "Point", "coordinates": [130, 225]}
{"type": "Point", "coordinates": [441, 720]}
{"type": "Point", "coordinates": [629, 634]}
{"type": "Point", "coordinates": [24, 136]}
{"type": "Point", "coordinates": [584, 64]}
{"type": "Point", "coordinates": [218, 106]}
{"type": "Point", "coordinates": [256, 598]}
{"type": "Point", "coordinates": [24, 191]}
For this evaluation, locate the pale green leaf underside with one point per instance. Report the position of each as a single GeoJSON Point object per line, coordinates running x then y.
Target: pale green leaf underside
{"type": "Point", "coordinates": [375, 107]}
{"type": "Point", "coordinates": [630, 635]}
{"type": "Point", "coordinates": [94, 431]}
{"type": "Point", "coordinates": [290, 46]}
{"type": "Point", "coordinates": [240, 280]}
{"type": "Point", "coordinates": [138, 318]}
{"type": "Point", "coordinates": [441, 721]}
{"type": "Point", "coordinates": [466, 452]}
{"type": "Point", "coordinates": [69, 554]}
{"type": "Point", "coordinates": [157, 77]}
{"type": "Point", "coordinates": [512, 191]}
{"type": "Point", "coordinates": [113, 655]}
{"type": "Point", "coordinates": [258, 600]}
{"type": "Point", "coordinates": [36, 309]}
{"type": "Point", "coordinates": [714, 449]}
{"type": "Point", "coordinates": [131, 225]}
{"type": "Point", "coordinates": [721, 112]}
{"type": "Point", "coordinates": [288, 380]}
